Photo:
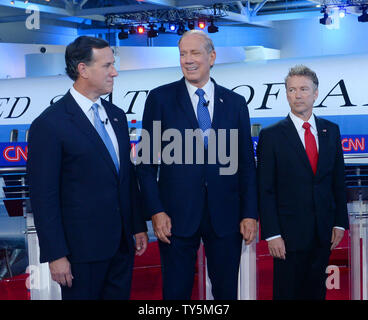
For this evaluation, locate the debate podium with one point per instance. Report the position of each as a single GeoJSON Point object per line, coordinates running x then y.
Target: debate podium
{"type": "Point", "coordinates": [357, 192]}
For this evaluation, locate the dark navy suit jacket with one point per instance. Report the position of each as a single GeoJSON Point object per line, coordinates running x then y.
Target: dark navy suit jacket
{"type": "Point", "coordinates": [82, 207]}
{"type": "Point", "coordinates": [181, 187]}
{"type": "Point", "coordinates": [294, 202]}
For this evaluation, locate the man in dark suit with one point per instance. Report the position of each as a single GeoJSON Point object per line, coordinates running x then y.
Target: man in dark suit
{"type": "Point", "coordinates": [194, 200]}
{"type": "Point", "coordinates": [83, 190]}
{"type": "Point", "coordinates": [302, 198]}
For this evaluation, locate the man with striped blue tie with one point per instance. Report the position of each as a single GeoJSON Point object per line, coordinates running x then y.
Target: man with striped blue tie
{"type": "Point", "coordinates": [195, 200]}
{"type": "Point", "coordinates": [83, 190]}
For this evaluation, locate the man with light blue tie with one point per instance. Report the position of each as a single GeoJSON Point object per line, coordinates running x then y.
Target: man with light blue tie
{"type": "Point", "coordinates": [193, 201]}
{"type": "Point", "coordinates": [83, 189]}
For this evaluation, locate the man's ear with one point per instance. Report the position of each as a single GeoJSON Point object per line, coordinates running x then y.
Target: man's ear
{"type": "Point", "coordinates": [315, 94]}
{"type": "Point", "coordinates": [213, 57]}
{"type": "Point", "coordinates": [83, 70]}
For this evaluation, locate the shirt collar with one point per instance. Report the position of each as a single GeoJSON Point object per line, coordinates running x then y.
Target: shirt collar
{"type": "Point", "coordinates": [207, 88]}
{"type": "Point", "coordinates": [84, 103]}
{"type": "Point", "coordinates": [299, 122]}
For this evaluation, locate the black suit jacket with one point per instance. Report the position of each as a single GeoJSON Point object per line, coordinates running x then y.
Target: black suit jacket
{"type": "Point", "coordinates": [293, 201]}
{"type": "Point", "coordinates": [82, 207]}
{"type": "Point", "coordinates": [181, 188]}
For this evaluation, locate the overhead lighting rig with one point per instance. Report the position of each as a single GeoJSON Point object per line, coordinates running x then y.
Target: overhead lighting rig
{"type": "Point", "coordinates": [343, 7]}
{"type": "Point", "coordinates": [364, 16]}
{"type": "Point", "coordinates": [175, 20]}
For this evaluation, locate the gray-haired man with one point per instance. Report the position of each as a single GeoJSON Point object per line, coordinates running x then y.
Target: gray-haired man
{"type": "Point", "coordinates": [193, 201]}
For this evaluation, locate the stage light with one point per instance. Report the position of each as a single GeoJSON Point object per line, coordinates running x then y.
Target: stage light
{"type": "Point", "coordinates": [326, 20]}
{"type": "Point", "coordinates": [191, 25]}
{"type": "Point", "coordinates": [172, 26]}
{"type": "Point", "coordinates": [140, 29]}
{"type": "Point", "coordinates": [132, 30]}
{"type": "Point", "coordinates": [212, 28]}
{"type": "Point", "coordinates": [123, 34]}
{"type": "Point", "coordinates": [12, 2]}
{"type": "Point", "coordinates": [152, 33]}
{"type": "Point", "coordinates": [181, 29]}
{"type": "Point", "coordinates": [162, 29]}
{"type": "Point", "coordinates": [364, 16]}
{"type": "Point", "coordinates": [342, 13]}
{"type": "Point", "coordinates": [201, 24]}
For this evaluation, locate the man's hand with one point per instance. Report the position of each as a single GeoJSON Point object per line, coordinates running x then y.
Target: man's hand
{"type": "Point", "coordinates": [161, 223]}
{"type": "Point", "coordinates": [277, 248]}
{"type": "Point", "coordinates": [337, 235]}
{"type": "Point", "coordinates": [141, 242]}
{"type": "Point", "coordinates": [61, 272]}
{"type": "Point", "coordinates": [248, 228]}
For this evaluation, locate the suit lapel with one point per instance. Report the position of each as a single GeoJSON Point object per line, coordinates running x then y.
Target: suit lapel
{"type": "Point", "coordinates": [218, 107]}
{"type": "Point", "coordinates": [83, 124]}
{"type": "Point", "coordinates": [322, 145]}
{"type": "Point", "coordinates": [293, 138]}
{"type": "Point", "coordinates": [186, 104]}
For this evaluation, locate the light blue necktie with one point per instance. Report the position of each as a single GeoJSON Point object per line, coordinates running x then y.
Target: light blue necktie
{"type": "Point", "coordinates": [203, 115]}
{"type": "Point", "coordinates": [100, 127]}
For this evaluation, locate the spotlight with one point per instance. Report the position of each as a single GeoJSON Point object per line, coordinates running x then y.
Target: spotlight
{"type": "Point", "coordinates": [140, 29]}
{"type": "Point", "coordinates": [326, 20]}
{"type": "Point", "coordinates": [152, 33]}
{"type": "Point", "coordinates": [123, 34]}
{"type": "Point", "coordinates": [342, 13]}
{"type": "Point", "coordinates": [162, 29]}
{"type": "Point", "coordinates": [364, 16]}
{"type": "Point", "coordinates": [172, 26]}
{"type": "Point", "coordinates": [191, 25]}
{"type": "Point", "coordinates": [132, 30]}
{"type": "Point", "coordinates": [212, 28]}
{"type": "Point", "coordinates": [12, 2]}
{"type": "Point", "coordinates": [181, 29]}
{"type": "Point", "coordinates": [201, 24]}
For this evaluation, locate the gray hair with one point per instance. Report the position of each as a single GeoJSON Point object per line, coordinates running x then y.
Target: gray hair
{"type": "Point", "coordinates": [302, 71]}
{"type": "Point", "coordinates": [208, 41]}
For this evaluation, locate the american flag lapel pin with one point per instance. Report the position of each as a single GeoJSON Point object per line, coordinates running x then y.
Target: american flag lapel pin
{"type": "Point", "coordinates": [324, 130]}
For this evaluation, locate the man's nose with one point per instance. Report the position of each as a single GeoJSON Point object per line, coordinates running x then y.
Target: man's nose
{"type": "Point", "coordinates": [188, 59]}
{"type": "Point", "coordinates": [114, 73]}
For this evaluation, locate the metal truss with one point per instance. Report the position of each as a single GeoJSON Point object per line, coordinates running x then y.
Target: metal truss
{"type": "Point", "coordinates": [167, 15]}
{"type": "Point", "coordinates": [343, 3]}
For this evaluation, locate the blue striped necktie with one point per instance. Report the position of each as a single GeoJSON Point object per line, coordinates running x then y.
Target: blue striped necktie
{"type": "Point", "coordinates": [203, 115]}
{"type": "Point", "coordinates": [100, 127]}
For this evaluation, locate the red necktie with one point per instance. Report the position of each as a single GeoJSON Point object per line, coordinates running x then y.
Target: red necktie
{"type": "Point", "coordinates": [310, 146]}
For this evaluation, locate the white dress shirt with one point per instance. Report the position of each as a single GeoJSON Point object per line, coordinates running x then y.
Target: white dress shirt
{"type": "Point", "coordinates": [209, 95]}
{"type": "Point", "coordinates": [86, 105]}
{"type": "Point", "coordinates": [298, 123]}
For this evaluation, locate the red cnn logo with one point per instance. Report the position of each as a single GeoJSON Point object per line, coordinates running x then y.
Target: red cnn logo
{"type": "Point", "coordinates": [14, 154]}
{"type": "Point", "coordinates": [349, 144]}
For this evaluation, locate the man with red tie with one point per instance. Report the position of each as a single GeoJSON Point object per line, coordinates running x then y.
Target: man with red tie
{"type": "Point", "coordinates": [301, 187]}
